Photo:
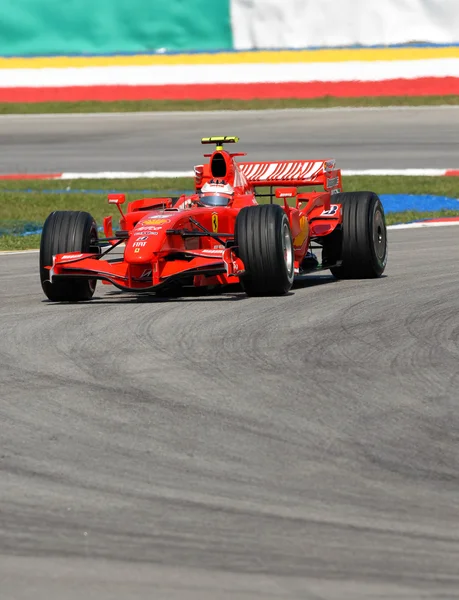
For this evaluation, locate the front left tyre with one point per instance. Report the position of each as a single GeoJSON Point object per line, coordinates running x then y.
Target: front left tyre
{"type": "Point", "coordinates": [67, 231]}
{"type": "Point", "coordinates": [265, 246]}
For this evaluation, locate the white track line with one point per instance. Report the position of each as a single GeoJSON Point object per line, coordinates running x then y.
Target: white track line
{"type": "Point", "coordinates": [209, 113]}
{"type": "Point", "coordinates": [397, 172]}
{"type": "Point", "coordinates": [214, 74]}
{"type": "Point", "coordinates": [12, 252]}
{"type": "Point", "coordinates": [422, 224]}
{"type": "Point", "coordinates": [174, 174]}
{"type": "Point", "coordinates": [126, 175]}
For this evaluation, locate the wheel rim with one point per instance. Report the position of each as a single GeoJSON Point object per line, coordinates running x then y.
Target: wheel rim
{"type": "Point", "coordinates": [287, 248]}
{"type": "Point", "coordinates": [379, 236]}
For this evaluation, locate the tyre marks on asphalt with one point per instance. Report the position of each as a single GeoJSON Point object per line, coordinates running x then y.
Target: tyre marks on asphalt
{"type": "Point", "coordinates": [305, 445]}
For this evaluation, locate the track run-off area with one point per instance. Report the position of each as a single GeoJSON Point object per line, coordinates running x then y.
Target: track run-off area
{"type": "Point", "coordinates": [219, 446]}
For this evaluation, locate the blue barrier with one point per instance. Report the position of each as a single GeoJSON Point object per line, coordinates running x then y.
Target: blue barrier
{"type": "Point", "coordinates": [403, 202]}
{"type": "Point", "coordinates": [391, 203]}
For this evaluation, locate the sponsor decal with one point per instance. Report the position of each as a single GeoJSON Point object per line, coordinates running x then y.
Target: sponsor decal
{"type": "Point", "coordinates": [233, 268]}
{"type": "Point", "coordinates": [330, 212]}
{"type": "Point", "coordinates": [146, 230]}
{"type": "Point", "coordinates": [146, 274]}
{"type": "Point", "coordinates": [288, 192]}
{"type": "Point", "coordinates": [139, 244]}
{"type": "Point", "coordinates": [136, 250]}
{"type": "Point", "coordinates": [214, 222]}
{"type": "Point", "coordinates": [141, 239]}
{"type": "Point", "coordinates": [146, 233]}
{"type": "Point", "coordinates": [156, 221]}
{"type": "Point", "coordinates": [70, 256]}
{"type": "Point", "coordinates": [333, 182]}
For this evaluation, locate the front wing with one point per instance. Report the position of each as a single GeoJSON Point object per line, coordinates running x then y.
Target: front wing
{"type": "Point", "coordinates": [223, 265]}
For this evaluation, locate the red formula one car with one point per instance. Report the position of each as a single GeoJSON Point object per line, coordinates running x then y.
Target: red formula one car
{"type": "Point", "coordinates": [220, 234]}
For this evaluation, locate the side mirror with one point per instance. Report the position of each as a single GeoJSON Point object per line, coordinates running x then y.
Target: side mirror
{"type": "Point", "coordinates": [116, 199]}
{"type": "Point", "coordinates": [286, 192]}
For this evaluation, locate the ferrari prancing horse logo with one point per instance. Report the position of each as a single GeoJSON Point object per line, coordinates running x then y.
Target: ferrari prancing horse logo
{"type": "Point", "coordinates": [214, 222]}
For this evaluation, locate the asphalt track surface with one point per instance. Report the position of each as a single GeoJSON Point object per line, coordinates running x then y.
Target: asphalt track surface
{"type": "Point", "coordinates": [356, 138]}
{"type": "Point", "coordinates": [220, 447]}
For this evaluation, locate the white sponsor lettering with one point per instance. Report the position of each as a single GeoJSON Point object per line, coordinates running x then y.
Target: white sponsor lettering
{"type": "Point", "coordinates": [139, 244]}
{"type": "Point", "coordinates": [146, 229]}
{"type": "Point", "coordinates": [70, 256]}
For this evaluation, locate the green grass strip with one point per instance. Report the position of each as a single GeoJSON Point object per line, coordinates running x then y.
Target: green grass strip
{"type": "Point", "coordinates": [19, 207]}
{"type": "Point", "coordinates": [196, 105]}
{"type": "Point", "coordinates": [11, 243]}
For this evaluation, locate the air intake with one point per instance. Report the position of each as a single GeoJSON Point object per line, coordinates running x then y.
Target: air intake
{"type": "Point", "coordinates": [218, 165]}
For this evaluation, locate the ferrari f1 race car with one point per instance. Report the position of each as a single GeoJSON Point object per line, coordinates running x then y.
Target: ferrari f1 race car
{"type": "Point", "coordinates": [246, 222]}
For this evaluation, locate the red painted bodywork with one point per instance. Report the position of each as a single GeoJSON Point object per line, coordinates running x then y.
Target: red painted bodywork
{"type": "Point", "coordinates": [156, 251]}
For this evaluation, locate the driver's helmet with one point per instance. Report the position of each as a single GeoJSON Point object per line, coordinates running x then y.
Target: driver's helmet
{"type": "Point", "coordinates": [217, 192]}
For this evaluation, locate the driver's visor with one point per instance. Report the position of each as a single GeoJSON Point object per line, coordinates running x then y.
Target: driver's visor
{"type": "Point", "coordinates": [215, 199]}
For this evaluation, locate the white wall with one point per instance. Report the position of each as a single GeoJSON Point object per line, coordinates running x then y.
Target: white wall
{"type": "Point", "coordinates": [306, 23]}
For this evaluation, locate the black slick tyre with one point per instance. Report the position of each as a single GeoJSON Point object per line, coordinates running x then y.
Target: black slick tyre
{"type": "Point", "coordinates": [264, 241]}
{"type": "Point", "coordinates": [67, 231]}
{"type": "Point", "coordinates": [361, 245]}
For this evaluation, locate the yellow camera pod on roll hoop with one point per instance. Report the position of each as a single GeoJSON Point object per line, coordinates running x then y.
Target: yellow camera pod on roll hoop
{"type": "Point", "coordinates": [220, 140]}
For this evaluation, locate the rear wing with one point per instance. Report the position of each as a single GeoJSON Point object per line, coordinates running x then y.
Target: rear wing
{"type": "Point", "coordinates": [255, 174]}
{"type": "Point", "coordinates": [290, 172]}
{"type": "Point", "coordinates": [270, 174]}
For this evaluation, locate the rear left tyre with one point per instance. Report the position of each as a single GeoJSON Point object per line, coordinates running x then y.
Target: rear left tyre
{"type": "Point", "coordinates": [67, 231]}
{"type": "Point", "coordinates": [265, 246]}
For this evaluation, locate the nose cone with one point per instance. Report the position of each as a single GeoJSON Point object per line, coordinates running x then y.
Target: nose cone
{"type": "Point", "coordinates": [142, 245]}
{"type": "Point", "coordinates": [148, 237]}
